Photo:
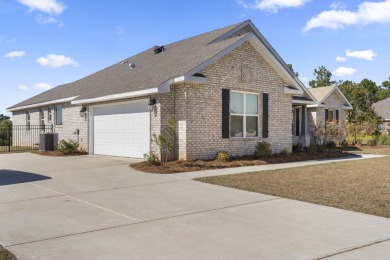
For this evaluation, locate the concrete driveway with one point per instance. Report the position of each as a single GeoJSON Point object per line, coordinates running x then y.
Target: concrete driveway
{"type": "Point", "coordinates": [92, 207]}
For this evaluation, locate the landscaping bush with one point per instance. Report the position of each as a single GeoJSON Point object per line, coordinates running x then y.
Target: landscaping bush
{"type": "Point", "coordinates": [384, 140]}
{"type": "Point", "coordinates": [313, 149]}
{"type": "Point", "coordinates": [297, 147]}
{"type": "Point", "coordinates": [331, 144]}
{"type": "Point", "coordinates": [371, 142]}
{"type": "Point", "coordinates": [222, 156]}
{"type": "Point", "coordinates": [285, 152]}
{"type": "Point", "coordinates": [152, 158]}
{"type": "Point", "coordinates": [68, 147]}
{"type": "Point", "coordinates": [263, 149]}
{"type": "Point", "coordinates": [166, 141]}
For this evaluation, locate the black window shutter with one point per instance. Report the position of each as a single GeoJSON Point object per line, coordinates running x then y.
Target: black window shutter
{"type": "Point", "coordinates": [225, 112]}
{"type": "Point", "coordinates": [297, 122]}
{"type": "Point", "coordinates": [303, 131]}
{"type": "Point", "coordinates": [265, 115]}
{"type": "Point", "coordinates": [326, 115]}
{"type": "Point", "coordinates": [337, 116]}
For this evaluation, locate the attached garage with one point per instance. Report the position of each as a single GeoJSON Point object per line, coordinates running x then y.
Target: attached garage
{"type": "Point", "coordinates": [121, 129]}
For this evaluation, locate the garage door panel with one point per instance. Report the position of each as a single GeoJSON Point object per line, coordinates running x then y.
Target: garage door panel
{"type": "Point", "coordinates": [122, 130]}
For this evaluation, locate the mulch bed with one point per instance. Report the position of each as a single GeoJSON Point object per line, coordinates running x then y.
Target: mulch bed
{"type": "Point", "coordinates": [58, 153]}
{"type": "Point", "coordinates": [201, 165]}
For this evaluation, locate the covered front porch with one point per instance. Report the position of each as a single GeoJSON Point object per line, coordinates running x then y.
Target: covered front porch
{"type": "Point", "coordinates": [300, 128]}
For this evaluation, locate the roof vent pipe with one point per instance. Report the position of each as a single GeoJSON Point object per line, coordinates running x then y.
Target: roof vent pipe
{"type": "Point", "coordinates": [158, 49]}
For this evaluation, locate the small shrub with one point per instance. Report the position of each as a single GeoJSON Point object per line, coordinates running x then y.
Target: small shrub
{"type": "Point", "coordinates": [152, 158]}
{"type": "Point", "coordinates": [68, 147]}
{"type": "Point", "coordinates": [313, 149]}
{"type": "Point", "coordinates": [384, 140]}
{"type": "Point", "coordinates": [222, 156]}
{"type": "Point", "coordinates": [297, 147]}
{"type": "Point", "coordinates": [263, 149]}
{"type": "Point", "coordinates": [371, 142]}
{"type": "Point", "coordinates": [285, 153]}
{"type": "Point", "coordinates": [331, 144]}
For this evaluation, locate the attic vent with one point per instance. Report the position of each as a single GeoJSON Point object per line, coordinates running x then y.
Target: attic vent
{"type": "Point", "coordinates": [124, 62]}
{"type": "Point", "coordinates": [158, 49]}
{"type": "Point", "coordinates": [131, 66]}
{"type": "Point", "coordinates": [200, 75]}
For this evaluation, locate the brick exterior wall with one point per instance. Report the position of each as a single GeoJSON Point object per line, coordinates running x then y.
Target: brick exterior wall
{"type": "Point", "coordinates": [198, 108]}
{"type": "Point", "coordinates": [70, 118]}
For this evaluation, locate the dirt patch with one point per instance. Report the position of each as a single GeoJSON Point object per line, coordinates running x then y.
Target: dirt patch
{"type": "Point", "coordinates": [201, 165]}
{"type": "Point", "coordinates": [58, 153]}
{"type": "Point", "coordinates": [6, 255]}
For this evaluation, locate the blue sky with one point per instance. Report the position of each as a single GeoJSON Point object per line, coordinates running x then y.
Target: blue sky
{"type": "Point", "coordinates": [45, 43]}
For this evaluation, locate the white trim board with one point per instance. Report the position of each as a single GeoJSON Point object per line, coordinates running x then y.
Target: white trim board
{"type": "Point", "coordinates": [51, 102]}
{"type": "Point", "coordinates": [132, 94]}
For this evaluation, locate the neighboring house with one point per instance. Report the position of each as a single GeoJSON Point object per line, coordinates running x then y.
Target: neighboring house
{"type": "Point", "coordinates": [228, 89]}
{"type": "Point", "coordinates": [331, 105]}
{"type": "Point", "coordinates": [382, 108]}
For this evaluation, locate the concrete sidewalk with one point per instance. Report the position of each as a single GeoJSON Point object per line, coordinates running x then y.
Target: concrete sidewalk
{"type": "Point", "coordinates": [95, 207]}
{"type": "Point", "coordinates": [227, 171]}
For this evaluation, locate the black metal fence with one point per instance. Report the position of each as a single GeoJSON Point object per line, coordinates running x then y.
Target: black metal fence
{"type": "Point", "coordinates": [22, 137]}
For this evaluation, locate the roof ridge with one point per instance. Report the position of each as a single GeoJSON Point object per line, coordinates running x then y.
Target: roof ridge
{"type": "Point", "coordinates": [185, 39]}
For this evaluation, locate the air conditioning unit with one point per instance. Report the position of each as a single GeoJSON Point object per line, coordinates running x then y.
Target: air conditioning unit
{"type": "Point", "coordinates": [48, 141]}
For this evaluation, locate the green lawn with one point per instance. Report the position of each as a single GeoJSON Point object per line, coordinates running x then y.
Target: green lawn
{"type": "Point", "coordinates": [362, 186]}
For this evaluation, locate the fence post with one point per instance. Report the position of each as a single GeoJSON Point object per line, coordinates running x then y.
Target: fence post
{"type": "Point", "coordinates": [9, 138]}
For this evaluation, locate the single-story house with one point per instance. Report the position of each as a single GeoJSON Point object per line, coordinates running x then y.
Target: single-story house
{"type": "Point", "coordinates": [331, 105]}
{"type": "Point", "coordinates": [382, 108]}
{"type": "Point", "coordinates": [227, 89]}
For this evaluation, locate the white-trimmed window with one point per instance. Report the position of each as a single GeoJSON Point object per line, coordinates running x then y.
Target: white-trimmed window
{"type": "Point", "coordinates": [49, 115]}
{"type": "Point", "coordinates": [28, 120]}
{"type": "Point", "coordinates": [58, 110]}
{"type": "Point", "coordinates": [330, 115]}
{"type": "Point", "coordinates": [382, 127]}
{"type": "Point", "coordinates": [244, 114]}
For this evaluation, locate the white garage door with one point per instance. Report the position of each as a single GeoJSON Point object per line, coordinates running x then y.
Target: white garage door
{"type": "Point", "coordinates": [122, 130]}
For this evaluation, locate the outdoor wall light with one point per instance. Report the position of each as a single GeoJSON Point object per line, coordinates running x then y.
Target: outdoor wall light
{"type": "Point", "coordinates": [83, 112]}
{"type": "Point", "coordinates": [151, 104]}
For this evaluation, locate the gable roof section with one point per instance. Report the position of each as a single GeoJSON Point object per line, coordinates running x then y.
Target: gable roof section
{"type": "Point", "coordinates": [322, 93]}
{"type": "Point", "coordinates": [382, 108]}
{"type": "Point", "coordinates": [155, 72]}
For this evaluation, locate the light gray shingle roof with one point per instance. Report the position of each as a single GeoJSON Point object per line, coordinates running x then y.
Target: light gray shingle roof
{"type": "Point", "coordinates": [382, 108]}
{"type": "Point", "coordinates": [151, 69]}
{"type": "Point", "coordinates": [321, 92]}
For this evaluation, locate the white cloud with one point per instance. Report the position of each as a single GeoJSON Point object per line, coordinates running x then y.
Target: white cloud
{"type": "Point", "coordinates": [15, 54]}
{"type": "Point", "coordinates": [47, 20]}
{"type": "Point", "coordinates": [23, 88]}
{"type": "Point", "coordinates": [304, 79]}
{"type": "Point", "coordinates": [338, 6]}
{"type": "Point", "coordinates": [56, 61]}
{"type": "Point", "coordinates": [343, 71]}
{"type": "Point", "coordinates": [42, 86]}
{"type": "Point", "coordinates": [45, 6]}
{"type": "Point", "coordinates": [367, 13]}
{"type": "Point", "coordinates": [363, 55]}
{"type": "Point", "coordinates": [272, 5]}
{"type": "Point", "coordinates": [341, 59]}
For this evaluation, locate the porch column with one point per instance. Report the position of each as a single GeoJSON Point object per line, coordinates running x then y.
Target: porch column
{"type": "Point", "coordinates": [303, 120]}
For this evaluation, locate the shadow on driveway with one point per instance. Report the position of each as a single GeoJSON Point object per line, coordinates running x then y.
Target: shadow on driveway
{"type": "Point", "coordinates": [10, 177]}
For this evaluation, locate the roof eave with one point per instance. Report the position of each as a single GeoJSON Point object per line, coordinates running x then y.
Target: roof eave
{"type": "Point", "coordinates": [47, 103]}
{"type": "Point", "coordinates": [115, 97]}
